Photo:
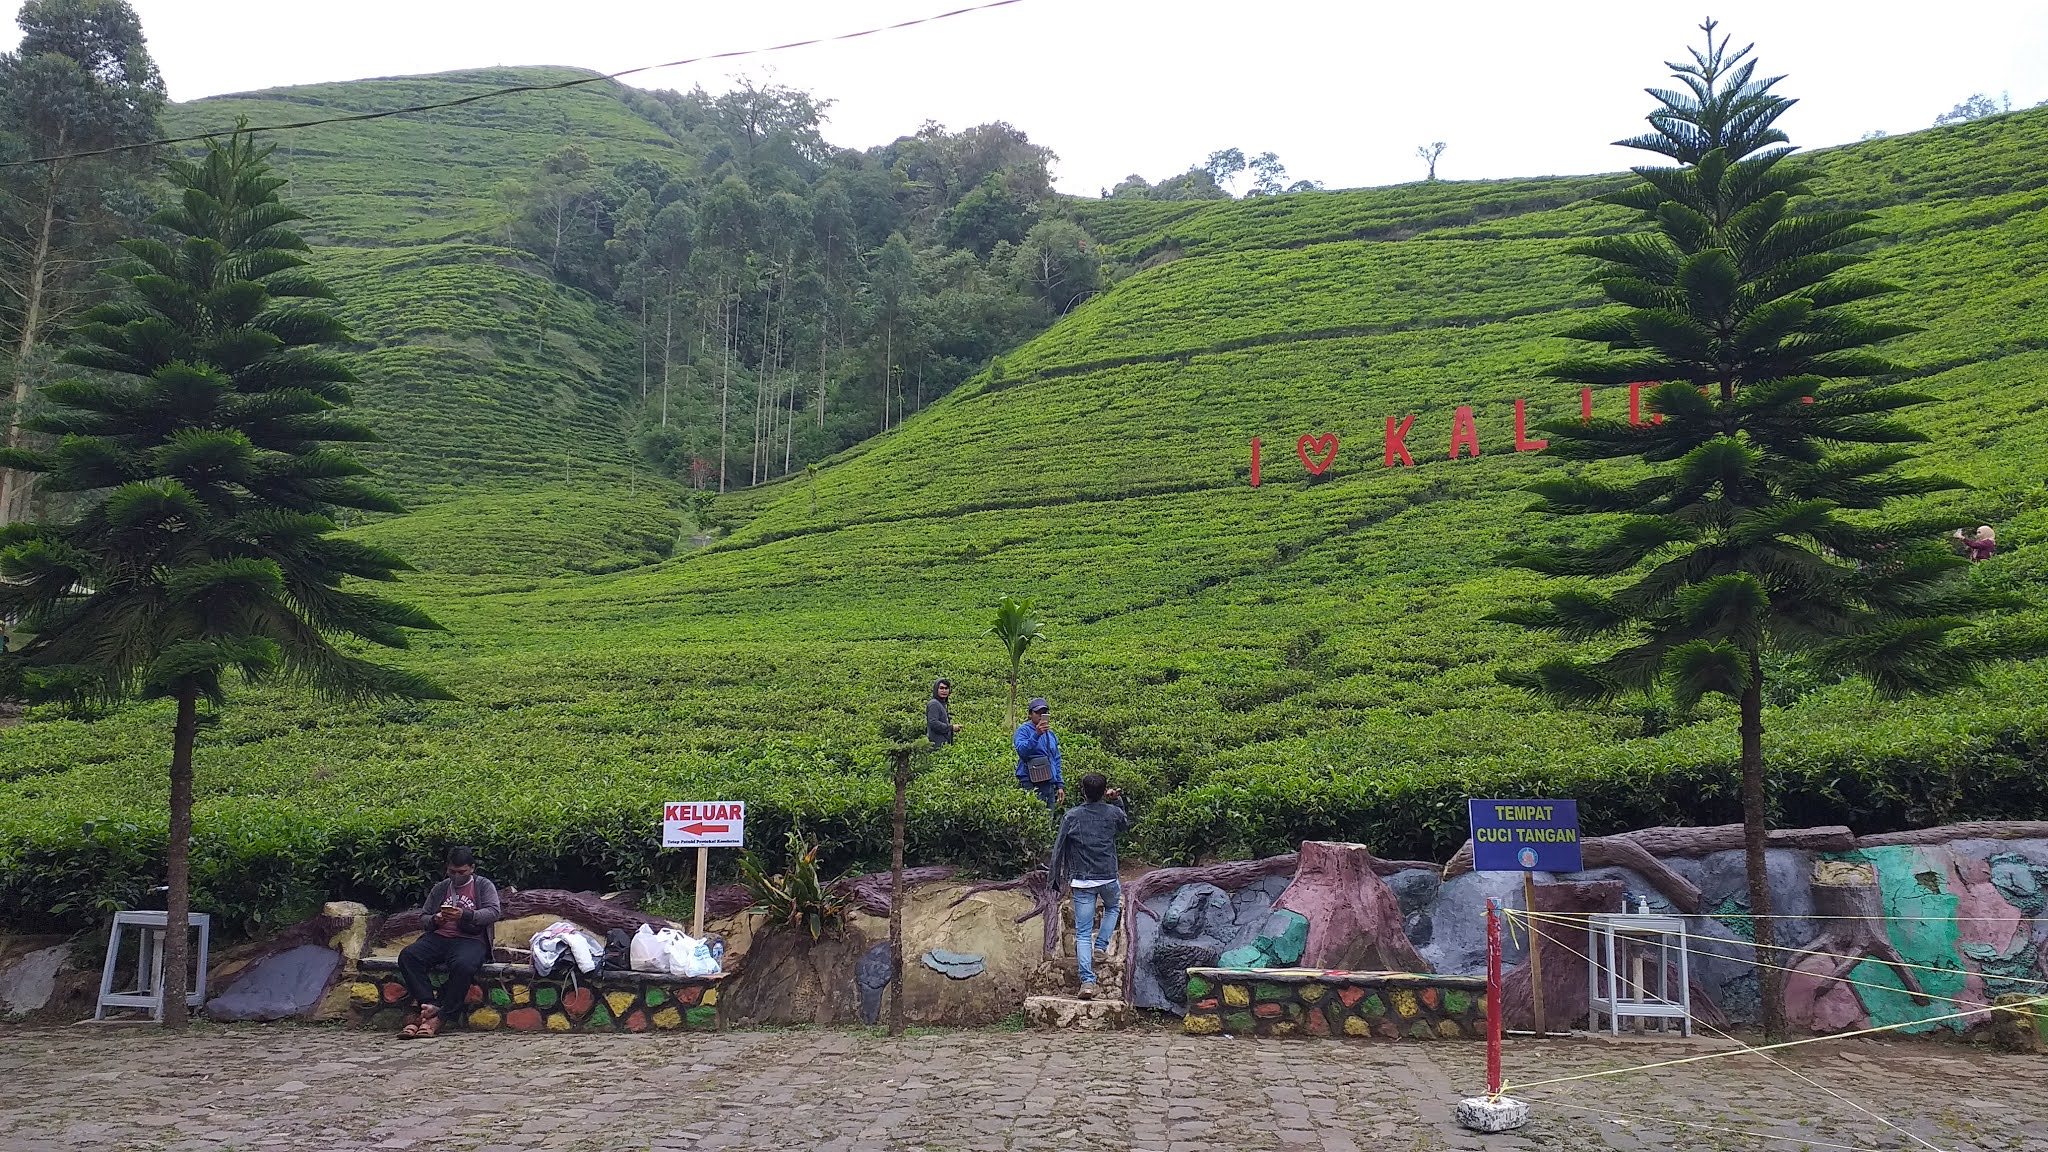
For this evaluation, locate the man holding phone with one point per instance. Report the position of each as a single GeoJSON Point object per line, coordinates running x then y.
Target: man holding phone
{"type": "Point", "coordinates": [1084, 856]}
{"type": "Point", "coordinates": [1038, 755]}
{"type": "Point", "coordinates": [455, 933]}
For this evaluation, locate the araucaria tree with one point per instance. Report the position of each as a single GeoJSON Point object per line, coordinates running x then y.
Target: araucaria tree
{"type": "Point", "coordinates": [1750, 521]}
{"type": "Point", "coordinates": [201, 454]}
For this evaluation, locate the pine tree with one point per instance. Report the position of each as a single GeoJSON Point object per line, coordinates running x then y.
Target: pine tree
{"type": "Point", "coordinates": [202, 452]}
{"type": "Point", "coordinates": [1751, 519]}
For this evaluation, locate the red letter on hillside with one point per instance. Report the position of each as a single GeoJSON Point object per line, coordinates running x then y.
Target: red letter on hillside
{"type": "Point", "coordinates": [1464, 432]}
{"type": "Point", "coordinates": [1585, 405]}
{"type": "Point", "coordinates": [1522, 442]}
{"type": "Point", "coordinates": [1397, 443]}
{"type": "Point", "coordinates": [1635, 404]}
{"type": "Point", "coordinates": [1255, 461]}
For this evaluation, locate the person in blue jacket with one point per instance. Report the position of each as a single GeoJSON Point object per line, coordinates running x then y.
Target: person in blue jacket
{"type": "Point", "coordinates": [1038, 756]}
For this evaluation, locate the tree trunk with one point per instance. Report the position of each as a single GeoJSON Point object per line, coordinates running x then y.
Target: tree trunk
{"type": "Point", "coordinates": [824, 322]}
{"type": "Point", "coordinates": [724, 389]}
{"type": "Point", "coordinates": [178, 901]}
{"type": "Point", "coordinates": [1771, 981]}
{"type": "Point", "coordinates": [1013, 702]}
{"type": "Point", "coordinates": [763, 376]}
{"type": "Point", "coordinates": [668, 340]}
{"type": "Point", "coordinates": [1354, 919]}
{"type": "Point", "coordinates": [896, 898]}
{"type": "Point", "coordinates": [13, 484]}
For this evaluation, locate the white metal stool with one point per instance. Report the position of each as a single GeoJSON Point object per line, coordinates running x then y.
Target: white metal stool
{"type": "Point", "coordinates": [1613, 940]}
{"type": "Point", "coordinates": [149, 966]}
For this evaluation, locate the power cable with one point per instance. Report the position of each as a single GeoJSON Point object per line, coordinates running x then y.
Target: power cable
{"type": "Point", "coordinates": [513, 90]}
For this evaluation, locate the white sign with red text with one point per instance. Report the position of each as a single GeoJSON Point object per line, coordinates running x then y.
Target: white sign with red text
{"type": "Point", "coordinates": [716, 824]}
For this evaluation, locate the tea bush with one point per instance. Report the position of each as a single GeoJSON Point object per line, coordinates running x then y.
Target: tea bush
{"type": "Point", "coordinates": [1255, 666]}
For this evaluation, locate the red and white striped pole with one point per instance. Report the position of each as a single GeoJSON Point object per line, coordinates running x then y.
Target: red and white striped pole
{"type": "Point", "coordinates": [1493, 998]}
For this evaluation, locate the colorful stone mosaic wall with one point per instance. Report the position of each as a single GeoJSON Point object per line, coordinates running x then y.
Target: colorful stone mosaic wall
{"type": "Point", "coordinates": [1310, 1002]}
{"type": "Point", "coordinates": [510, 996]}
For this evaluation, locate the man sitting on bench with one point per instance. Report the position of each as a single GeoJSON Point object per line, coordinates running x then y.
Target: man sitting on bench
{"type": "Point", "coordinates": [455, 931]}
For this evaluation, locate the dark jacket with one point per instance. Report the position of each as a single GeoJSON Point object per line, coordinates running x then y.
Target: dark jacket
{"type": "Point", "coordinates": [1030, 745]}
{"type": "Point", "coordinates": [476, 921]}
{"type": "Point", "coordinates": [938, 720]}
{"type": "Point", "coordinates": [1086, 848]}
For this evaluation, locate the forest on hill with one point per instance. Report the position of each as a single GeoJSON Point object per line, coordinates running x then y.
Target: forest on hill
{"type": "Point", "coordinates": [559, 300]}
{"type": "Point", "coordinates": [687, 288]}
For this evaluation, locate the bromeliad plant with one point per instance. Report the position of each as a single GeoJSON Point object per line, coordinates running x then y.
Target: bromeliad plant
{"type": "Point", "coordinates": [795, 897]}
{"type": "Point", "coordinates": [1750, 524]}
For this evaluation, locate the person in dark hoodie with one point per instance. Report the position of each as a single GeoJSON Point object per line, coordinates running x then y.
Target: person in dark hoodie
{"type": "Point", "coordinates": [1084, 855]}
{"type": "Point", "coordinates": [455, 932]}
{"type": "Point", "coordinates": [938, 717]}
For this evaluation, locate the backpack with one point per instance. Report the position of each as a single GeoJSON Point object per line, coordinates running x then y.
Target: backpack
{"type": "Point", "coordinates": [618, 946]}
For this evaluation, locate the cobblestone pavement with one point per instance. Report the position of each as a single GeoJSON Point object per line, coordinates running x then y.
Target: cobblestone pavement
{"type": "Point", "coordinates": [255, 1087]}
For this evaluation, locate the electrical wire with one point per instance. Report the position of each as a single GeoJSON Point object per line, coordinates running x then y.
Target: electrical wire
{"type": "Point", "coordinates": [497, 92]}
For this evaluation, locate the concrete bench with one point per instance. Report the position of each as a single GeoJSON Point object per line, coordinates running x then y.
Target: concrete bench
{"type": "Point", "coordinates": [511, 997]}
{"type": "Point", "coordinates": [1314, 1002]}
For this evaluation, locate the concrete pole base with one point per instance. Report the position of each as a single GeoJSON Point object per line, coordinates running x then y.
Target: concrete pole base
{"type": "Point", "coordinates": [1483, 1115]}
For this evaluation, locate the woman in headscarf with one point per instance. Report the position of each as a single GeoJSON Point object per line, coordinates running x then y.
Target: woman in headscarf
{"type": "Point", "coordinates": [1980, 546]}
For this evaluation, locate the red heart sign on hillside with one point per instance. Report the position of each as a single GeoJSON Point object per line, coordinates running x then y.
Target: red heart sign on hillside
{"type": "Point", "coordinates": [1325, 446]}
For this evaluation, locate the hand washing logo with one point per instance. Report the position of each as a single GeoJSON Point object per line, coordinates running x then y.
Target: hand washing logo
{"type": "Point", "coordinates": [1527, 857]}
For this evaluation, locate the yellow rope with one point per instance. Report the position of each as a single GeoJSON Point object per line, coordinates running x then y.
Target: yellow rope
{"type": "Point", "coordinates": [1635, 1119]}
{"type": "Point", "coordinates": [1796, 952]}
{"type": "Point", "coordinates": [1815, 916]}
{"type": "Point", "coordinates": [1768, 1047]}
{"type": "Point", "coordinates": [1767, 1057]}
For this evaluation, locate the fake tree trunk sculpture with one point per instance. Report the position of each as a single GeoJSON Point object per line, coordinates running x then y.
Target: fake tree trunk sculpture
{"type": "Point", "coordinates": [1354, 919]}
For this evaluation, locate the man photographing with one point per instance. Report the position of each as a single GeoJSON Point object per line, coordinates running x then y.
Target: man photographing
{"type": "Point", "coordinates": [455, 932]}
{"type": "Point", "coordinates": [1085, 855]}
{"type": "Point", "coordinates": [1038, 755]}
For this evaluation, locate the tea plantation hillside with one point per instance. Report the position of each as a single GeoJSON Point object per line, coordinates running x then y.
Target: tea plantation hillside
{"type": "Point", "coordinates": [478, 370]}
{"type": "Point", "coordinates": [1307, 658]}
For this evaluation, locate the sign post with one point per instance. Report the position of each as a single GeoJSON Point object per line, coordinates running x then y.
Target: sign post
{"type": "Point", "coordinates": [703, 826]}
{"type": "Point", "coordinates": [1527, 836]}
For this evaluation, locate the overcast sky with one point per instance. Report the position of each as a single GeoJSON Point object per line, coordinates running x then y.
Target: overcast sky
{"type": "Point", "coordinates": [1343, 92]}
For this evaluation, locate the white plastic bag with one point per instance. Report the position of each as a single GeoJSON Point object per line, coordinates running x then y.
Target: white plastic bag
{"type": "Point", "coordinates": [689, 956]}
{"type": "Point", "coordinates": [647, 953]}
{"type": "Point", "coordinates": [681, 954]}
{"type": "Point", "coordinates": [548, 944]}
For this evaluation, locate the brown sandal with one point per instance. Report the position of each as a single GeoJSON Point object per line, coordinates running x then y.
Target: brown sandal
{"type": "Point", "coordinates": [413, 1022]}
{"type": "Point", "coordinates": [430, 1023]}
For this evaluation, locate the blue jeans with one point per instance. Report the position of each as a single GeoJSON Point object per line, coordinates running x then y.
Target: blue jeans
{"type": "Point", "coordinates": [1048, 792]}
{"type": "Point", "coordinates": [1085, 937]}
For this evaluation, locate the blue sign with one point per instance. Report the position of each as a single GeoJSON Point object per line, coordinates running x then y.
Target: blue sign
{"type": "Point", "coordinates": [1525, 835]}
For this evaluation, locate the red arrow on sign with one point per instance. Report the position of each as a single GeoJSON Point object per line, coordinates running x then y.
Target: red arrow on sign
{"type": "Point", "coordinates": [701, 829]}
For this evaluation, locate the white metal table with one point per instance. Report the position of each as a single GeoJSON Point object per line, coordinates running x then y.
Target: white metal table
{"type": "Point", "coordinates": [1615, 940]}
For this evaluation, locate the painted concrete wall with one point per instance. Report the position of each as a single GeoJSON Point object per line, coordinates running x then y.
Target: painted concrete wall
{"type": "Point", "coordinates": [1965, 920]}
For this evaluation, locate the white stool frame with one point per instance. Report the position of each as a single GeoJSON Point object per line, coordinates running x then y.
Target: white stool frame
{"type": "Point", "coordinates": [149, 969]}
